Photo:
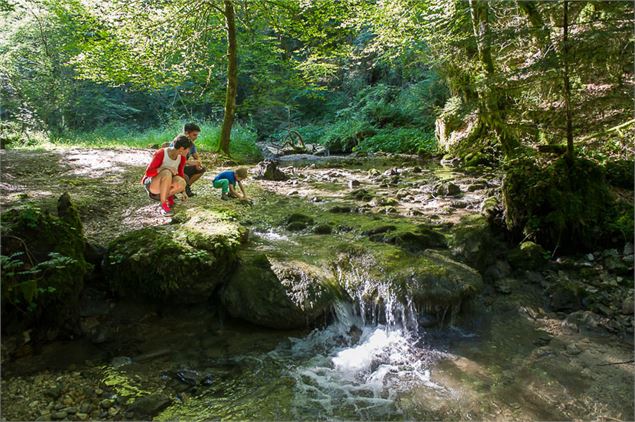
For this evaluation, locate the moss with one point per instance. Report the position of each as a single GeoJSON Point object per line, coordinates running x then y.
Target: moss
{"type": "Point", "coordinates": [620, 173]}
{"type": "Point", "coordinates": [279, 293]}
{"type": "Point", "coordinates": [474, 242]}
{"type": "Point", "coordinates": [563, 204]}
{"type": "Point", "coordinates": [180, 263]}
{"type": "Point", "coordinates": [43, 268]}
{"type": "Point", "coordinates": [528, 256]}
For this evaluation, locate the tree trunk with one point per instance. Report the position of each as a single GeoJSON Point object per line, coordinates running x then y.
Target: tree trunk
{"type": "Point", "coordinates": [232, 78]}
{"type": "Point", "coordinates": [567, 84]}
{"type": "Point", "coordinates": [492, 113]}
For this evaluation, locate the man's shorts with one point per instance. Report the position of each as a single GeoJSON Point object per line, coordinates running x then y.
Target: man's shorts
{"type": "Point", "coordinates": [192, 170]}
{"type": "Point", "coordinates": [146, 185]}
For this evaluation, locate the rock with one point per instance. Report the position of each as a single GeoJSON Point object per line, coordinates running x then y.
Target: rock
{"type": "Point", "coordinates": [585, 322]}
{"type": "Point", "coordinates": [323, 229]}
{"type": "Point", "coordinates": [280, 293]}
{"type": "Point", "coordinates": [106, 403]}
{"type": "Point", "coordinates": [145, 408]}
{"type": "Point", "coordinates": [504, 286]}
{"type": "Point", "coordinates": [572, 349]}
{"type": "Point", "coordinates": [374, 172]}
{"type": "Point", "coordinates": [474, 243]}
{"type": "Point", "coordinates": [46, 254]}
{"type": "Point", "coordinates": [82, 416]}
{"type": "Point", "coordinates": [268, 170]}
{"type": "Point", "coordinates": [422, 238]}
{"type": "Point", "coordinates": [340, 209]}
{"type": "Point", "coordinates": [528, 256]}
{"type": "Point", "coordinates": [563, 299]}
{"type": "Point", "coordinates": [120, 361]}
{"type": "Point", "coordinates": [182, 263]}
{"type": "Point", "coordinates": [628, 306]}
{"type": "Point", "coordinates": [297, 222]}
{"type": "Point", "coordinates": [535, 277]}
{"type": "Point", "coordinates": [353, 183]}
{"type": "Point", "coordinates": [447, 189]}
{"type": "Point", "coordinates": [490, 207]}
{"type": "Point", "coordinates": [499, 270]}
{"type": "Point", "coordinates": [628, 249]}
{"type": "Point", "coordinates": [361, 195]}
{"type": "Point", "coordinates": [59, 415]}
{"type": "Point", "coordinates": [543, 340]}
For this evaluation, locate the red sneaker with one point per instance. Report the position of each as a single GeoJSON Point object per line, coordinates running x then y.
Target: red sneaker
{"type": "Point", "coordinates": [166, 210]}
{"type": "Point", "coordinates": [171, 200]}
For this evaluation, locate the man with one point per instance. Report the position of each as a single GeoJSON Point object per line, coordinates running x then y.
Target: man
{"type": "Point", "coordinates": [193, 167]}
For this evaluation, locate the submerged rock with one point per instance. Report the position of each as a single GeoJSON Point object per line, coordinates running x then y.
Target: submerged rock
{"type": "Point", "coordinates": [280, 293]}
{"type": "Point", "coordinates": [179, 263]}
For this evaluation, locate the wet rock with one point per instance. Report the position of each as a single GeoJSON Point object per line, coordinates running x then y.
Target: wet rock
{"type": "Point", "coordinates": [268, 170]}
{"type": "Point", "coordinates": [323, 229]}
{"type": "Point", "coordinates": [297, 222]}
{"type": "Point", "coordinates": [340, 209]}
{"type": "Point", "coordinates": [187, 376]}
{"type": "Point", "coordinates": [361, 195]}
{"type": "Point", "coordinates": [474, 243]}
{"type": "Point", "coordinates": [278, 292]}
{"type": "Point", "coordinates": [181, 263]}
{"type": "Point", "coordinates": [447, 189]}
{"type": "Point", "coordinates": [145, 408]}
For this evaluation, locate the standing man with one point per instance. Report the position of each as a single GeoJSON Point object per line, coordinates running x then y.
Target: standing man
{"type": "Point", "coordinates": [193, 167]}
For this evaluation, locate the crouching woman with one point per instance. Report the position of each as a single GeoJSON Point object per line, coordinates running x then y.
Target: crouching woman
{"type": "Point", "coordinates": [164, 176]}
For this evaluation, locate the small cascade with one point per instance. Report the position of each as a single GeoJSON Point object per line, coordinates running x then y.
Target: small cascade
{"type": "Point", "coordinates": [360, 365]}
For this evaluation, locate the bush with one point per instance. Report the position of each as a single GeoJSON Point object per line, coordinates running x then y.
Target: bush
{"type": "Point", "coordinates": [563, 204]}
{"type": "Point", "coordinates": [399, 140]}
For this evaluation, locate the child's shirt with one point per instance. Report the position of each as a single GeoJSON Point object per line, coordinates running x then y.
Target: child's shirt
{"type": "Point", "coordinates": [162, 160]}
{"type": "Point", "coordinates": [229, 175]}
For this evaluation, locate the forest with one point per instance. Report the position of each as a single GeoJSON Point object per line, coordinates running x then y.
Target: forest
{"type": "Point", "coordinates": [436, 221]}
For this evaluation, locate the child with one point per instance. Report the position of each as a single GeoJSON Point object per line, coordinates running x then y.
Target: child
{"type": "Point", "coordinates": [164, 176]}
{"type": "Point", "coordinates": [227, 182]}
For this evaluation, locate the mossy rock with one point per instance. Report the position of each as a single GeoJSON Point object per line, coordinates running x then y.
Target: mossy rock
{"type": "Point", "coordinates": [418, 240]}
{"type": "Point", "coordinates": [297, 222]}
{"type": "Point", "coordinates": [279, 293]}
{"type": "Point", "coordinates": [564, 204]}
{"type": "Point", "coordinates": [180, 263]}
{"type": "Point", "coordinates": [447, 189]}
{"type": "Point", "coordinates": [474, 242]}
{"type": "Point", "coordinates": [43, 269]}
{"type": "Point", "coordinates": [434, 283]}
{"type": "Point", "coordinates": [528, 256]}
{"type": "Point", "coordinates": [361, 195]}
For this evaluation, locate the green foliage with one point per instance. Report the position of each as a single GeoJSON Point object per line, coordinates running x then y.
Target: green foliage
{"type": "Point", "coordinates": [562, 204]}
{"type": "Point", "coordinates": [399, 140]}
{"type": "Point", "coordinates": [23, 282]}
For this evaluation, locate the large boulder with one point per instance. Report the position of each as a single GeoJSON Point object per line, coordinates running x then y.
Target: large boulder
{"type": "Point", "coordinates": [379, 276]}
{"type": "Point", "coordinates": [474, 242]}
{"type": "Point", "coordinates": [43, 269]}
{"type": "Point", "coordinates": [180, 263]}
{"type": "Point", "coordinates": [279, 293]}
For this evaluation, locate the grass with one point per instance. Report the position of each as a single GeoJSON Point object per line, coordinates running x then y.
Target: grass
{"type": "Point", "coordinates": [242, 148]}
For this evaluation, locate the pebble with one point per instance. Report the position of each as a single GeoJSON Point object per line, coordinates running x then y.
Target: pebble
{"type": "Point", "coordinates": [105, 403]}
{"type": "Point", "coordinates": [58, 415]}
{"type": "Point", "coordinates": [573, 349]}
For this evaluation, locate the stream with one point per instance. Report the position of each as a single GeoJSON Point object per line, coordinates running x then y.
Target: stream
{"type": "Point", "coordinates": [507, 356]}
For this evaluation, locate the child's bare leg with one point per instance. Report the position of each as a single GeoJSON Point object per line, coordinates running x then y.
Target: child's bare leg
{"type": "Point", "coordinates": [178, 185]}
{"type": "Point", "coordinates": [166, 182]}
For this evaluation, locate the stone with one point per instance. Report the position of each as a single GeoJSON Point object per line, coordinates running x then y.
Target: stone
{"type": "Point", "coordinates": [182, 263]}
{"type": "Point", "coordinates": [353, 183]}
{"type": "Point", "coordinates": [146, 407]}
{"type": "Point", "coordinates": [278, 292]}
{"type": "Point", "coordinates": [297, 222]}
{"type": "Point", "coordinates": [499, 270]}
{"type": "Point", "coordinates": [573, 349]}
{"type": "Point", "coordinates": [628, 249]}
{"type": "Point", "coordinates": [628, 306]}
{"type": "Point", "coordinates": [268, 170]}
{"type": "Point", "coordinates": [447, 189]}
{"type": "Point", "coordinates": [474, 243]}
{"type": "Point", "coordinates": [528, 256]}
{"type": "Point", "coordinates": [47, 256]}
